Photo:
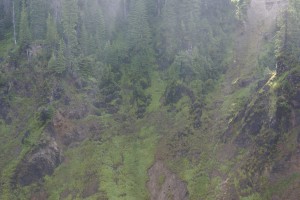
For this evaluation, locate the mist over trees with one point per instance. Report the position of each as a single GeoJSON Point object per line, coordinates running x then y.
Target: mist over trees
{"type": "Point", "coordinates": [189, 41]}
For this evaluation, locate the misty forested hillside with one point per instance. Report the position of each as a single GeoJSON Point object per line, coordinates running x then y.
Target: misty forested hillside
{"type": "Point", "coordinates": [150, 99]}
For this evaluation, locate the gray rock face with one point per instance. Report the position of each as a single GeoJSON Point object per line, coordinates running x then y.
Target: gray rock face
{"type": "Point", "coordinates": [38, 163]}
{"type": "Point", "coordinates": [163, 184]}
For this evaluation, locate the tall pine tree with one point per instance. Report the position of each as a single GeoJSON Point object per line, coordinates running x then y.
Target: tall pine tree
{"type": "Point", "coordinates": [61, 60]}
{"type": "Point", "coordinates": [24, 31]}
{"type": "Point", "coordinates": [38, 16]}
{"type": "Point", "coordinates": [69, 22]}
{"type": "Point", "coordinates": [139, 36]}
{"type": "Point", "coordinates": [52, 38]}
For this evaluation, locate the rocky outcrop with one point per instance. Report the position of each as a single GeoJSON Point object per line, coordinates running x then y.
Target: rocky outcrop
{"type": "Point", "coordinates": [41, 161]}
{"type": "Point", "coordinates": [67, 130]}
{"type": "Point", "coordinates": [249, 122]}
{"type": "Point", "coordinates": [163, 184]}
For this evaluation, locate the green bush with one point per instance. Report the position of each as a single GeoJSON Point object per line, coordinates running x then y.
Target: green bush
{"type": "Point", "coordinates": [46, 114]}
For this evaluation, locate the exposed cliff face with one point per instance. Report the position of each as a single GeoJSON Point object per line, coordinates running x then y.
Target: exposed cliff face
{"type": "Point", "coordinates": [266, 130]}
{"type": "Point", "coordinates": [163, 184]}
{"type": "Point", "coordinates": [263, 142]}
{"type": "Point", "coordinates": [261, 138]}
{"type": "Point", "coordinates": [41, 161]}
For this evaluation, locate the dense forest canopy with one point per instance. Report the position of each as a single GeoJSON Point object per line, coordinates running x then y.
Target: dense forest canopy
{"type": "Point", "coordinates": [131, 38]}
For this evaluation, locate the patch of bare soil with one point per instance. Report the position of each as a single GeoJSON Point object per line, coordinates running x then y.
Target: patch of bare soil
{"type": "Point", "coordinates": [165, 185]}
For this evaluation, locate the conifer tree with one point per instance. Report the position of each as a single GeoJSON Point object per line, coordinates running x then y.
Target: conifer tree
{"type": "Point", "coordinates": [1, 29]}
{"type": "Point", "coordinates": [169, 42]}
{"type": "Point", "coordinates": [139, 39]}
{"type": "Point", "coordinates": [84, 40]}
{"type": "Point", "coordinates": [139, 30]}
{"type": "Point", "coordinates": [24, 32]}
{"type": "Point", "coordinates": [38, 16]}
{"type": "Point", "coordinates": [69, 22]}
{"type": "Point", "coordinates": [85, 67]}
{"type": "Point", "coordinates": [100, 30]}
{"type": "Point", "coordinates": [52, 64]}
{"type": "Point", "coordinates": [60, 66]}
{"type": "Point", "coordinates": [52, 34]}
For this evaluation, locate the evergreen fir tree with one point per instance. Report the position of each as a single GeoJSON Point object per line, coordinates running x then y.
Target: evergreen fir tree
{"type": "Point", "coordinates": [139, 30]}
{"type": "Point", "coordinates": [139, 39]}
{"type": "Point", "coordinates": [69, 22]}
{"type": "Point", "coordinates": [84, 40]}
{"type": "Point", "coordinates": [52, 34]}
{"type": "Point", "coordinates": [24, 32]}
{"type": "Point", "coordinates": [169, 43]}
{"type": "Point", "coordinates": [38, 16]}
{"type": "Point", "coordinates": [52, 64]}
{"type": "Point", "coordinates": [60, 61]}
{"type": "Point", "coordinates": [85, 67]}
{"type": "Point", "coordinates": [100, 31]}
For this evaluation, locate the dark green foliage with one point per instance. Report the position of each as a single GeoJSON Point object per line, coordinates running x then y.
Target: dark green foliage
{"type": "Point", "coordinates": [140, 81]}
{"type": "Point", "coordinates": [283, 106]}
{"type": "Point", "coordinates": [116, 53]}
{"type": "Point", "coordinates": [57, 63]}
{"type": "Point", "coordinates": [196, 111]}
{"type": "Point", "coordinates": [141, 100]}
{"type": "Point", "coordinates": [182, 67]}
{"type": "Point", "coordinates": [5, 18]}
{"type": "Point", "coordinates": [2, 33]}
{"type": "Point", "coordinates": [85, 66]}
{"type": "Point", "coordinates": [46, 114]}
{"type": "Point", "coordinates": [283, 114]}
{"type": "Point", "coordinates": [13, 58]}
{"type": "Point", "coordinates": [2, 79]}
{"type": "Point", "coordinates": [175, 91]}
{"type": "Point", "coordinates": [110, 92]}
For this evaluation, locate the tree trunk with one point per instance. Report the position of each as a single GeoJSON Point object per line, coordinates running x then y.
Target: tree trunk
{"type": "Point", "coordinates": [125, 9]}
{"type": "Point", "coordinates": [14, 24]}
{"type": "Point", "coordinates": [286, 30]}
{"type": "Point", "coordinates": [158, 7]}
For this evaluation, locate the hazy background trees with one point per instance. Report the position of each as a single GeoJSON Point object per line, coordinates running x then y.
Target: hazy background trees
{"type": "Point", "coordinates": [189, 40]}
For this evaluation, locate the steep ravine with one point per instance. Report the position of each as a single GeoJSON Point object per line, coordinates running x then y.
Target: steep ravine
{"type": "Point", "coordinates": [257, 29]}
{"type": "Point", "coordinates": [261, 138]}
